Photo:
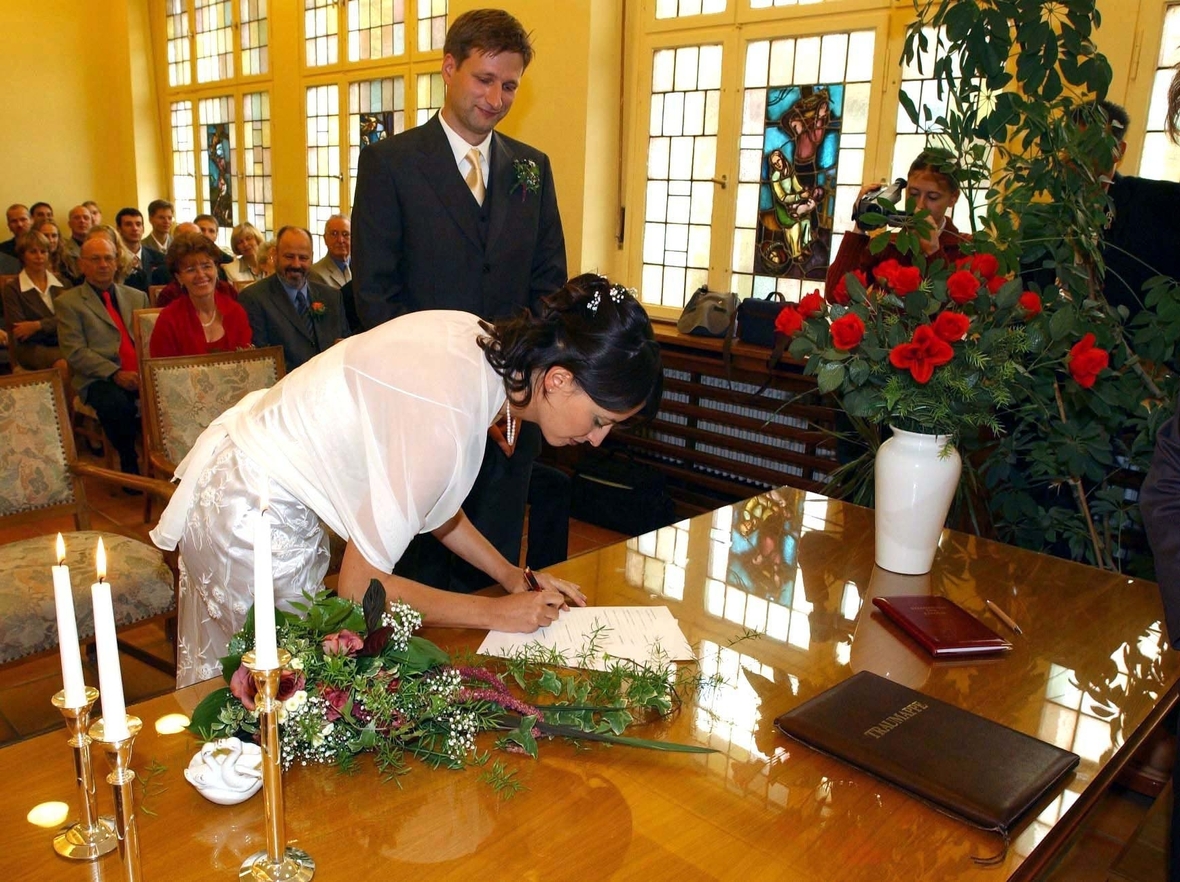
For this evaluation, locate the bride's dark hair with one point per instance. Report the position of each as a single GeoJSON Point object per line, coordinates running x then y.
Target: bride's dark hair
{"type": "Point", "coordinates": [594, 329]}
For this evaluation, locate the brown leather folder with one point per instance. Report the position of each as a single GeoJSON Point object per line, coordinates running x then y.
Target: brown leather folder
{"type": "Point", "coordinates": [968, 766]}
{"type": "Point", "coordinates": [942, 627]}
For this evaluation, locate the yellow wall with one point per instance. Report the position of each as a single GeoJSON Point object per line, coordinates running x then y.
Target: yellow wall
{"type": "Point", "coordinates": [74, 103]}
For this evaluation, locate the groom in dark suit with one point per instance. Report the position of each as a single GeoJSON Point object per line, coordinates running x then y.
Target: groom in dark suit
{"type": "Point", "coordinates": [454, 215]}
{"type": "Point", "coordinates": [288, 309]}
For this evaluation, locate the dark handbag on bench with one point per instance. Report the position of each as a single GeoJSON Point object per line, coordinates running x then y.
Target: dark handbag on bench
{"type": "Point", "coordinates": [708, 314]}
{"type": "Point", "coordinates": [755, 318]}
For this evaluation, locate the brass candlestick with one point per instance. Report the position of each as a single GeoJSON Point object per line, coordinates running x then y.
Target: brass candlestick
{"type": "Point", "coordinates": [279, 861]}
{"type": "Point", "coordinates": [122, 780]}
{"type": "Point", "coordinates": [91, 836]}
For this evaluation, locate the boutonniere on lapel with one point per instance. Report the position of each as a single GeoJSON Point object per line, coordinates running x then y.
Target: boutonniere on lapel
{"type": "Point", "coordinates": [317, 310]}
{"type": "Point", "coordinates": [528, 178]}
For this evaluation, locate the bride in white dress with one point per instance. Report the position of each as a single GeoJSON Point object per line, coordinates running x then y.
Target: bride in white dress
{"type": "Point", "coordinates": [380, 438]}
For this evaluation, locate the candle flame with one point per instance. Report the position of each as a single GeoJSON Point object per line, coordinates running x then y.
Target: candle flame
{"type": "Point", "coordinates": [100, 561]}
{"type": "Point", "coordinates": [61, 550]}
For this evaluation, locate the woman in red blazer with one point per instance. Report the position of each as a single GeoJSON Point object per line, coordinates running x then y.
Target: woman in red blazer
{"type": "Point", "coordinates": [204, 320]}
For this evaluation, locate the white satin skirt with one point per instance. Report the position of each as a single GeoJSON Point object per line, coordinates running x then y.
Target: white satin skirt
{"type": "Point", "coordinates": [217, 558]}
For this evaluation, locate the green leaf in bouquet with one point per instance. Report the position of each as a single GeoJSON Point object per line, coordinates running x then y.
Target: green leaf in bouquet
{"type": "Point", "coordinates": [831, 377]}
{"type": "Point", "coordinates": [1062, 323]}
{"type": "Point", "coordinates": [1009, 293]}
{"type": "Point", "coordinates": [203, 722]}
{"type": "Point", "coordinates": [800, 348]}
{"type": "Point", "coordinates": [858, 371]}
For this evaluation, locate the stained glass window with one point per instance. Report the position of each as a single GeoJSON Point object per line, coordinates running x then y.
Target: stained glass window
{"type": "Point", "coordinates": [1161, 158]}
{"type": "Point", "coordinates": [432, 24]}
{"type": "Point", "coordinates": [321, 25]}
{"type": "Point", "coordinates": [376, 110]}
{"type": "Point", "coordinates": [683, 8]}
{"type": "Point", "coordinates": [432, 91]}
{"type": "Point", "coordinates": [215, 40]}
{"type": "Point", "coordinates": [215, 163]}
{"type": "Point", "coordinates": [376, 29]}
{"type": "Point", "coordinates": [184, 176]}
{"type": "Point", "coordinates": [681, 165]}
{"type": "Point", "coordinates": [256, 159]}
{"type": "Point", "coordinates": [255, 37]}
{"type": "Point", "coordinates": [177, 37]}
{"type": "Point", "coordinates": [323, 158]}
{"type": "Point", "coordinates": [801, 161]}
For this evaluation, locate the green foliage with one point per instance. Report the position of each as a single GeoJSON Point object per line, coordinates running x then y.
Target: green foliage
{"type": "Point", "coordinates": [1020, 79]}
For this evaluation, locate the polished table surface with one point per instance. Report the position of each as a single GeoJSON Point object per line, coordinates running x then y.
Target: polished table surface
{"type": "Point", "coordinates": [774, 594]}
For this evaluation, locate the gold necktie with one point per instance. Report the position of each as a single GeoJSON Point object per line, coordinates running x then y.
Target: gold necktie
{"type": "Point", "coordinates": [474, 177]}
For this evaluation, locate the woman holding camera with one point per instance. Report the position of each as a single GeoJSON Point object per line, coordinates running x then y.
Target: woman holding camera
{"type": "Point", "coordinates": [928, 187]}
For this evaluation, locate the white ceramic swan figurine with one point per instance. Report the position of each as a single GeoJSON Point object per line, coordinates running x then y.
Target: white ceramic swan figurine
{"type": "Point", "coordinates": [226, 771]}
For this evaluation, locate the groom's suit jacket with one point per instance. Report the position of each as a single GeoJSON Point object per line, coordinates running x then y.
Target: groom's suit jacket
{"type": "Point", "coordinates": [421, 241]}
{"type": "Point", "coordinates": [275, 322]}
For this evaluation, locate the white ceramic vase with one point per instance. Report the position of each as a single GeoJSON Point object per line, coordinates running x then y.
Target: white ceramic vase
{"type": "Point", "coordinates": [226, 771]}
{"type": "Point", "coordinates": [915, 479]}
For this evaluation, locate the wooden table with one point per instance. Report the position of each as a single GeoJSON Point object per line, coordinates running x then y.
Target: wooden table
{"type": "Point", "coordinates": [780, 621]}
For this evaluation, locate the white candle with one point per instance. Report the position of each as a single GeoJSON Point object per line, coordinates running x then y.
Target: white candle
{"type": "Point", "coordinates": [67, 631]}
{"type": "Point", "coordinates": [110, 676]}
{"type": "Point", "coordinates": [265, 640]}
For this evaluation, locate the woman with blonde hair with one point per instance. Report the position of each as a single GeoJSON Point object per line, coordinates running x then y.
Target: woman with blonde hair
{"type": "Point", "coordinates": [245, 242]}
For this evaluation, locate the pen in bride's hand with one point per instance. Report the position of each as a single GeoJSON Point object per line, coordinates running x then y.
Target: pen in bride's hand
{"type": "Point", "coordinates": [1003, 616]}
{"type": "Point", "coordinates": [531, 580]}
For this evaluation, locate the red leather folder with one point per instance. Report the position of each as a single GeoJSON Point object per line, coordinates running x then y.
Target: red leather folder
{"type": "Point", "coordinates": [943, 628]}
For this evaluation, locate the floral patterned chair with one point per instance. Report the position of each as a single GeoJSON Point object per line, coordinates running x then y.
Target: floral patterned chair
{"type": "Point", "coordinates": [40, 480]}
{"type": "Point", "coordinates": [182, 396]}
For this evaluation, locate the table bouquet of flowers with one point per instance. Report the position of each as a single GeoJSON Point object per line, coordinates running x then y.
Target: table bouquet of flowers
{"type": "Point", "coordinates": [945, 350]}
{"type": "Point", "coordinates": [361, 681]}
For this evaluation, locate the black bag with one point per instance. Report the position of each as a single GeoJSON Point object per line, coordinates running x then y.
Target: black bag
{"type": "Point", "coordinates": [708, 313]}
{"type": "Point", "coordinates": [620, 494]}
{"type": "Point", "coordinates": [755, 318]}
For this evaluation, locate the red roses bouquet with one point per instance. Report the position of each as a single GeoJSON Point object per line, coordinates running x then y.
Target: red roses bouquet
{"type": "Point", "coordinates": [944, 350]}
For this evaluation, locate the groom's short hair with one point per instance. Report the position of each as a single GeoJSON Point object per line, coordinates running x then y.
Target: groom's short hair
{"type": "Point", "coordinates": [490, 31]}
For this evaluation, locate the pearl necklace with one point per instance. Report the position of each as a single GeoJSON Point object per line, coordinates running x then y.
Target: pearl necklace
{"type": "Point", "coordinates": [510, 433]}
{"type": "Point", "coordinates": [208, 323]}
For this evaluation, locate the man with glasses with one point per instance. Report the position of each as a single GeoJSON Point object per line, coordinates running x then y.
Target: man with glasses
{"type": "Point", "coordinates": [333, 268]}
{"type": "Point", "coordinates": [93, 329]}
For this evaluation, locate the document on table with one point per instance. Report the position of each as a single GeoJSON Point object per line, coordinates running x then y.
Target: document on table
{"type": "Point", "coordinates": [594, 636]}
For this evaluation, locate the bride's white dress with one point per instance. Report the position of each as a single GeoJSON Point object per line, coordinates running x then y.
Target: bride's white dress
{"type": "Point", "coordinates": [379, 438]}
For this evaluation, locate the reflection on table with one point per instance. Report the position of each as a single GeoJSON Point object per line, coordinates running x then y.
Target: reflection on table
{"type": "Point", "coordinates": [775, 595]}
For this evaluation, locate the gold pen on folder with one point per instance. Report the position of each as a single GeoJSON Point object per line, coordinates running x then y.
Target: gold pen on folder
{"type": "Point", "coordinates": [1003, 616]}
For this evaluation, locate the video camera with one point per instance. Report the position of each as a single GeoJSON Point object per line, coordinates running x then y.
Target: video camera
{"type": "Point", "coordinates": [889, 200]}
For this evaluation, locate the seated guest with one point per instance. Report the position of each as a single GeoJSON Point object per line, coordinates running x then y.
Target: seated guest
{"type": "Point", "coordinates": [266, 258]}
{"type": "Point", "coordinates": [147, 266]}
{"type": "Point", "coordinates": [289, 310]}
{"type": "Point", "coordinates": [160, 219]}
{"type": "Point", "coordinates": [209, 228]}
{"type": "Point", "coordinates": [80, 223]}
{"type": "Point", "coordinates": [929, 187]}
{"type": "Point", "coordinates": [93, 328]}
{"type": "Point", "coordinates": [41, 211]}
{"type": "Point", "coordinates": [173, 290]}
{"type": "Point", "coordinates": [244, 241]}
{"type": "Point", "coordinates": [95, 212]}
{"type": "Point", "coordinates": [20, 221]}
{"type": "Point", "coordinates": [333, 268]}
{"type": "Point", "coordinates": [125, 262]}
{"type": "Point", "coordinates": [57, 260]}
{"type": "Point", "coordinates": [203, 321]}
{"type": "Point", "coordinates": [29, 307]}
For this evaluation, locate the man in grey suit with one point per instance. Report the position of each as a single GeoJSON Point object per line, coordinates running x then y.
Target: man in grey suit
{"type": "Point", "coordinates": [333, 268]}
{"type": "Point", "coordinates": [454, 215]}
{"type": "Point", "coordinates": [290, 310]}
{"type": "Point", "coordinates": [93, 329]}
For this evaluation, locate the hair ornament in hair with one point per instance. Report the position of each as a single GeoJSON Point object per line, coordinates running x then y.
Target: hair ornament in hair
{"type": "Point", "coordinates": [618, 293]}
{"type": "Point", "coordinates": [592, 303]}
